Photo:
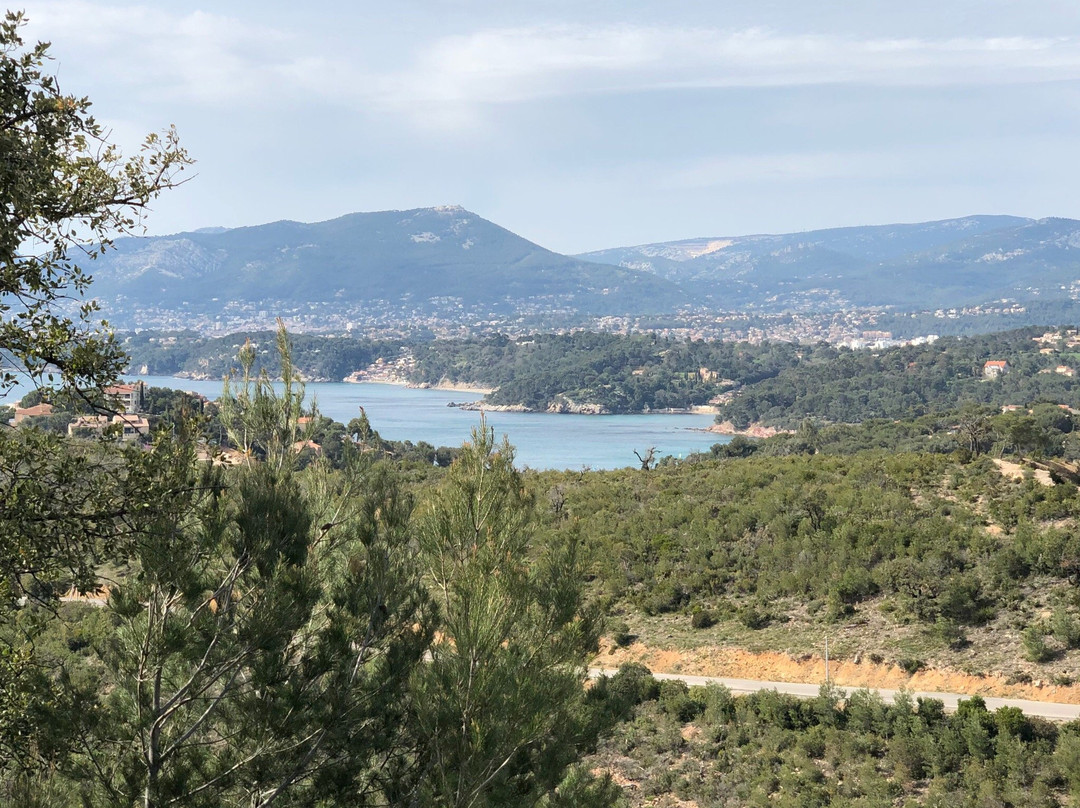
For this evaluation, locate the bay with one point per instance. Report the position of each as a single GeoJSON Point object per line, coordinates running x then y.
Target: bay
{"type": "Point", "coordinates": [541, 440]}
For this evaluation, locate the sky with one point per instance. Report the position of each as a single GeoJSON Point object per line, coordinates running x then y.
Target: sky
{"type": "Point", "coordinates": [586, 124]}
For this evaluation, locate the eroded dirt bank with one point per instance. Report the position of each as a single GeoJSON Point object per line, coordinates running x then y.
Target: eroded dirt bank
{"type": "Point", "coordinates": [780, 667]}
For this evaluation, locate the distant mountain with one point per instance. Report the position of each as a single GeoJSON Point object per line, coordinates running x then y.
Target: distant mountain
{"type": "Point", "coordinates": [951, 263]}
{"type": "Point", "coordinates": [437, 265]}
{"type": "Point", "coordinates": [412, 256]}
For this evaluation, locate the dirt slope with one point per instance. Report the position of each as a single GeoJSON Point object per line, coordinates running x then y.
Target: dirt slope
{"type": "Point", "coordinates": [779, 667]}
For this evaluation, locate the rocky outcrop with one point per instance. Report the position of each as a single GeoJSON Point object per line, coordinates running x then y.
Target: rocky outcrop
{"type": "Point", "coordinates": [560, 405]}
{"type": "Point", "coordinates": [482, 406]}
{"type": "Point", "coordinates": [753, 431]}
{"type": "Point", "coordinates": [565, 405]}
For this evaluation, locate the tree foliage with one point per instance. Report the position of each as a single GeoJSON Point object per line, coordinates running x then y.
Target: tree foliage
{"type": "Point", "coordinates": [264, 644]}
{"type": "Point", "coordinates": [706, 746]}
{"type": "Point", "coordinates": [499, 704]}
{"type": "Point", "coordinates": [66, 193]}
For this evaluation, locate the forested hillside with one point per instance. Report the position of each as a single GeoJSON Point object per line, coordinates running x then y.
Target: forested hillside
{"type": "Point", "coordinates": [318, 358]}
{"type": "Point", "coordinates": [925, 547]}
{"type": "Point", "coordinates": [776, 384]}
{"type": "Point", "coordinates": [845, 386]}
{"type": "Point", "coordinates": [619, 373]}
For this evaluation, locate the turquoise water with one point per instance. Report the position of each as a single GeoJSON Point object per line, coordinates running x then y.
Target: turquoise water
{"type": "Point", "coordinates": [542, 441]}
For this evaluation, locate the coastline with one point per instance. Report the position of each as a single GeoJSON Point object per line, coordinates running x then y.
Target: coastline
{"type": "Point", "coordinates": [355, 379]}
{"type": "Point", "coordinates": [753, 431]}
{"type": "Point", "coordinates": [556, 408]}
{"type": "Point", "coordinates": [455, 387]}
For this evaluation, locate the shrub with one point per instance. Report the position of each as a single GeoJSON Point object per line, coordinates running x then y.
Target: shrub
{"type": "Point", "coordinates": [677, 701]}
{"type": "Point", "coordinates": [666, 596]}
{"type": "Point", "coordinates": [620, 633]}
{"type": "Point", "coordinates": [854, 585]}
{"type": "Point", "coordinates": [963, 601]}
{"type": "Point", "coordinates": [702, 619]}
{"type": "Point", "coordinates": [633, 684]}
{"type": "Point", "coordinates": [949, 632]}
{"type": "Point", "coordinates": [910, 665]}
{"type": "Point", "coordinates": [1035, 648]}
{"type": "Point", "coordinates": [719, 704]}
{"type": "Point", "coordinates": [1065, 628]}
{"type": "Point", "coordinates": [754, 618]}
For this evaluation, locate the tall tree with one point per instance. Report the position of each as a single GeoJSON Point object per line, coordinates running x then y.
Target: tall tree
{"type": "Point", "coordinates": [264, 643]}
{"type": "Point", "coordinates": [499, 704]}
{"type": "Point", "coordinates": [65, 193]}
{"type": "Point", "coordinates": [260, 421]}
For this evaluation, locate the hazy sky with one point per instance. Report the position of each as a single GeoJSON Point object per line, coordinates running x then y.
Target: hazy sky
{"type": "Point", "coordinates": [583, 125]}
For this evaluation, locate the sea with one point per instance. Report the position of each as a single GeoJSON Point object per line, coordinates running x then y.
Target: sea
{"type": "Point", "coordinates": [541, 440]}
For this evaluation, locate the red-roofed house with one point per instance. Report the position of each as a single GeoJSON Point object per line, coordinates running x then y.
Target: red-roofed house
{"type": "Point", "coordinates": [994, 368]}
{"type": "Point", "coordinates": [22, 413]}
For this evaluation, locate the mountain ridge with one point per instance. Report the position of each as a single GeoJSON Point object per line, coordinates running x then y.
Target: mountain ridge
{"type": "Point", "coordinates": [451, 265]}
{"type": "Point", "coordinates": [422, 253]}
{"type": "Point", "coordinates": [875, 265]}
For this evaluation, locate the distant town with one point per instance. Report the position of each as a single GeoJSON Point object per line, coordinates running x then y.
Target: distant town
{"type": "Point", "coordinates": [451, 318]}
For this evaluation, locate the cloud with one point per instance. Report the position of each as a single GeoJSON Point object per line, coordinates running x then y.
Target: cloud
{"type": "Point", "coordinates": [512, 65]}
{"type": "Point", "coordinates": [446, 81]}
{"type": "Point", "coordinates": [195, 56]}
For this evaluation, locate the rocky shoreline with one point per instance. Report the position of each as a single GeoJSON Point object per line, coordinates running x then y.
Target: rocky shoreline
{"type": "Point", "coordinates": [753, 431]}
{"type": "Point", "coordinates": [561, 407]}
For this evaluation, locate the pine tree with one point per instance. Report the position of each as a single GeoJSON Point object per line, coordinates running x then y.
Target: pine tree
{"type": "Point", "coordinates": [265, 640]}
{"type": "Point", "coordinates": [499, 705]}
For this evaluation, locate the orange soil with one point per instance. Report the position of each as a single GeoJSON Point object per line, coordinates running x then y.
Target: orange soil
{"type": "Point", "coordinates": [779, 667]}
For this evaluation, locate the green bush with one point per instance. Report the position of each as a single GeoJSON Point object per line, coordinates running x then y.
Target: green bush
{"type": "Point", "coordinates": [1065, 628]}
{"type": "Point", "coordinates": [754, 617]}
{"type": "Point", "coordinates": [702, 619]}
{"type": "Point", "coordinates": [854, 585]}
{"type": "Point", "coordinates": [619, 631]}
{"type": "Point", "coordinates": [910, 665]}
{"type": "Point", "coordinates": [677, 700]}
{"type": "Point", "coordinates": [1035, 647]}
{"type": "Point", "coordinates": [633, 684]}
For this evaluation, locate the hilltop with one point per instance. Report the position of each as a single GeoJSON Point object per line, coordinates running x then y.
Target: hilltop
{"type": "Point", "coordinates": [438, 259]}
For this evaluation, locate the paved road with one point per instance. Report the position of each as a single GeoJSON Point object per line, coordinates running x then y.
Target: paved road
{"type": "Point", "coordinates": [1044, 709]}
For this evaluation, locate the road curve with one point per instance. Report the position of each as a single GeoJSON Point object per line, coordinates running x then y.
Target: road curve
{"type": "Point", "coordinates": [1054, 711]}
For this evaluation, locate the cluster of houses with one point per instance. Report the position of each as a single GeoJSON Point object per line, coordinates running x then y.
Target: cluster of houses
{"type": "Point", "coordinates": [128, 402]}
{"type": "Point", "coordinates": [998, 367]}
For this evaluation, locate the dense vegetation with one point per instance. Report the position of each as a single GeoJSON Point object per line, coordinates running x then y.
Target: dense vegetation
{"type": "Point", "coordinates": [702, 746]}
{"type": "Point", "coordinates": [838, 530]}
{"type": "Point", "coordinates": [301, 650]}
{"type": "Point", "coordinates": [268, 634]}
{"type": "Point", "coordinates": [620, 373]}
{"type": "Point", "coordinates": [318, 358]}
{"type": "Point", "coordinates": [844, 386]}
{"type": "Point", "coordinates": [1040, 432]}
{"type": "Point", "coordinates": [911, 557]}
